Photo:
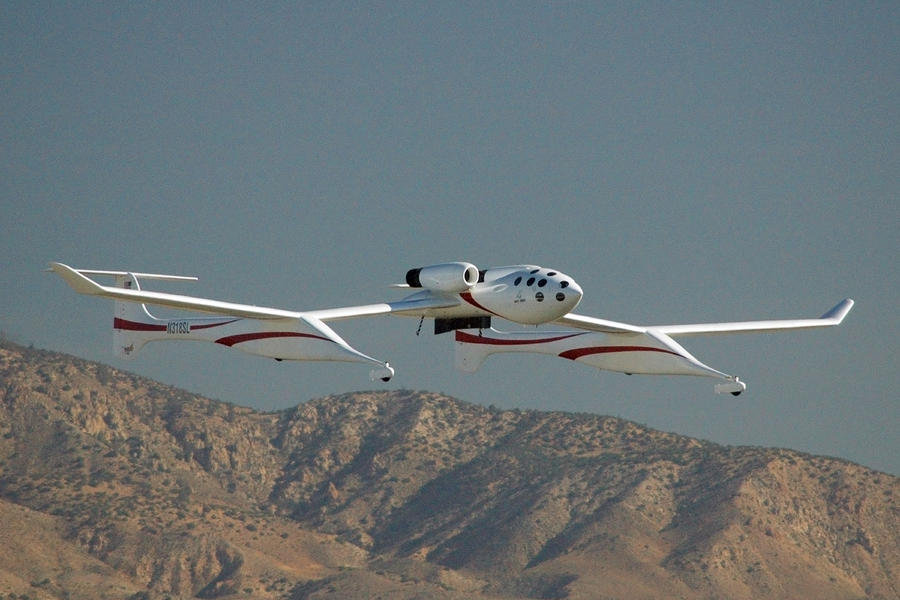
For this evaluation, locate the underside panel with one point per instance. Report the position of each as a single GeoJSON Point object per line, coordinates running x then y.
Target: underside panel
{"type": "Point", "coordinates": [445, 325]}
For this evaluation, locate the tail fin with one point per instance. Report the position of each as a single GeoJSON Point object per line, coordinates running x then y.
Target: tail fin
{"type": "Point", "coordinates": [469, 356]}
{"type": "Point", "coordinates": [133, 325]}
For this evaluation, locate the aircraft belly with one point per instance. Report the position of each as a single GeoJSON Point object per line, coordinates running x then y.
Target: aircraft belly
{"type": "Point", "coordinates": [452, 312]}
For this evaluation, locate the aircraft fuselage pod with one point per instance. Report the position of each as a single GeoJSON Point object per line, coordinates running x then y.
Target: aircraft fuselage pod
{"type": "Point", "coordinates": [526, 294]}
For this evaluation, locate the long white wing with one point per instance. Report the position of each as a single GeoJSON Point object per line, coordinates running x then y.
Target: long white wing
{"type": "Point", "coordinates": [829, 319]}
{"type": "Point", "coordinates": [85, 285]}
{"type": "Point", "coordinates": [594, 324]}
{"type": "Point", "coordinates": [408, 306]}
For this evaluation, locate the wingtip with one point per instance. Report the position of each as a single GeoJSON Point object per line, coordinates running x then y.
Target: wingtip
{"type": "Point", "coordinates": [76, 280]}
{"type": "Point", "coordinates": [840, 311]}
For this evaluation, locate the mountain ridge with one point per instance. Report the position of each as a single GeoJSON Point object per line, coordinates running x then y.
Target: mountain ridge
{"type": "Point", "coordinates": [158, 492]}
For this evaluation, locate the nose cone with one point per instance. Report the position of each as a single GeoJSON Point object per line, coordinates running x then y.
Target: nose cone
{"type": "Point", "coordinates": [573, 295]}
{"type": "Point", "coordinates": [568, 292]}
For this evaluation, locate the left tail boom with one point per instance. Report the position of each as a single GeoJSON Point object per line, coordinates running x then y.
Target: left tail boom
{"type": "Point", "coordinates": [282, 335]}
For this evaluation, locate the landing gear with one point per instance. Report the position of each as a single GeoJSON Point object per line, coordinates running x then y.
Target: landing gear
{"type": "Point", "coordinates": [734, 387]}
{"type": "Point", "coordinates": [385, 373]}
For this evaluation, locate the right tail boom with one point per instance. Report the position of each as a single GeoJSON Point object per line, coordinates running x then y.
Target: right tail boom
{"type": "Point", "coordinates": [648, 353]}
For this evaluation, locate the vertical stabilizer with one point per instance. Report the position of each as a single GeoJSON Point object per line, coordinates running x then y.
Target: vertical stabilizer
{"type": "Point", "coordinates": [133, 325]}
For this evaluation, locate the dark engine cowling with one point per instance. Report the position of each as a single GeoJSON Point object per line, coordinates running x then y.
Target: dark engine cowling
{"type": "Point", "coordinates": [448, 277]}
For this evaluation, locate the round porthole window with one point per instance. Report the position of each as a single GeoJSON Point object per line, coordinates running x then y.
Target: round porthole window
{"type": "Point", "coordinates": [539, 296]}
{"type": "Point", "coordinates": [560, 296]}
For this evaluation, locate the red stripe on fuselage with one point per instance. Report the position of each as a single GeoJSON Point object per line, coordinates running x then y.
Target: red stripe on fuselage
{"type": "Point", "coordinates": [231, 340]}
{"type": "Point", "coordinates": [136, 326]}
{"type": "Point", "coordinates": [467, 296]}
{"type": "Point", "coordinates": [462, 336]}
{"type": "Point", "coordinates": [577, 353]}
{"type": "Point", "coordinates": [212, 324]}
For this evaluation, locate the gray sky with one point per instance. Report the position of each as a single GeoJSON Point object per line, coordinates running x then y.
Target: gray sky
{"type": "Point", "coordinates": [684, 163]}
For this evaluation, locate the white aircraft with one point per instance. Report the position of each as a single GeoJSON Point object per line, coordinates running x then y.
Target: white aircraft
{"type": "Point", "coordinates": [456, 295]}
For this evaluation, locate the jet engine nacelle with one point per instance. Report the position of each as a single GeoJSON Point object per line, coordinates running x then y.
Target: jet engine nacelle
{"type": "Point", "coordinates": [448, 277]}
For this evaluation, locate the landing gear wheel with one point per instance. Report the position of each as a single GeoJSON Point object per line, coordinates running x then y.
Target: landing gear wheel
{"type": "Point", "coordinates": [385, 373]}
{"type": "Point", "coordinates": [734, 387]}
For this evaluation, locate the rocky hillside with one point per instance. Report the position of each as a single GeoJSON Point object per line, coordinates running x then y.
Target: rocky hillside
{"type": "Point", "coordinates": [114, 486]}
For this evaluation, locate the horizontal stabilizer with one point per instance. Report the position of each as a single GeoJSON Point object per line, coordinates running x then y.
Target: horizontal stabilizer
{"type": "Point", "coordinates": [140, 275]}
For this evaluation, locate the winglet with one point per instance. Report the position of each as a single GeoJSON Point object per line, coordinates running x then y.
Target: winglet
{"type": "Point", "coordinates": [840, 311]}
{"type": "Point", "coordinates": [78, 282]}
